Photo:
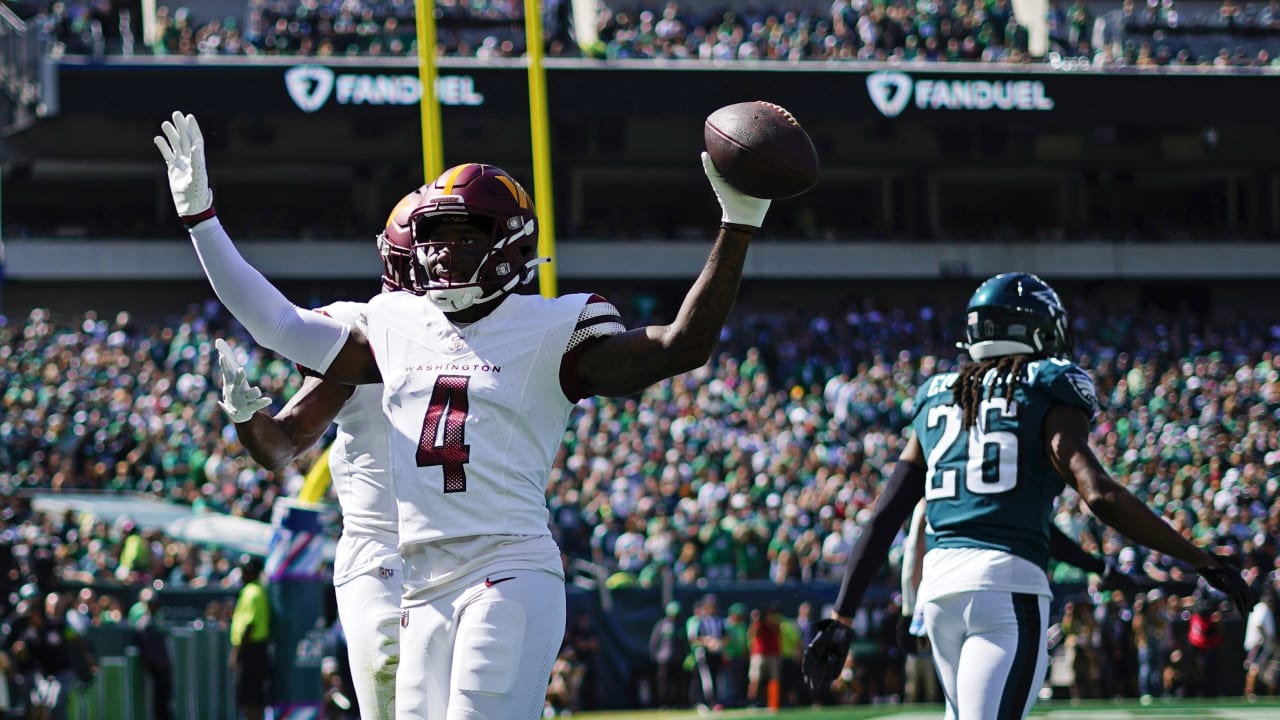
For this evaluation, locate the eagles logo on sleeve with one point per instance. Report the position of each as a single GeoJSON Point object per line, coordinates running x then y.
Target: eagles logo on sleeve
{"type": "Point", "coordinates": [1082, 384]}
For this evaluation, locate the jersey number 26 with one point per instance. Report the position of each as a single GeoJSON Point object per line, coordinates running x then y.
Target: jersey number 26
{"type": "Point", "coordinates": [990, 465]}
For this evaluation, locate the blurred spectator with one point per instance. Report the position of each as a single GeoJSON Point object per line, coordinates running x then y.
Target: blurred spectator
{"type": "Point", "coordinates": [250, 634]}
{"type": "Point", "coordinates": [732, 680]}
{"type": "Point", "coordinates": [764, 640]}
{"type": "Point", "coordinates": [1229, 37]}
{"type": "Point", "coordinates": [580, 635]}
{"type": "Point", "coordinates": [13, 690]}
{"type": "Point", "coordinates": [153, 650]}
{"type": "Point", "coordinates": [47, 654]}
{"type": "Point", "coordinates": [566, 676]}
{"type": "Point", "coordinates": [668, 647]}
{"type": "Point", "coordinates": [792, 650]}
{"type": "Point", "coordinates": [1150, 636]}
{"type": "Point", "coordinates": [134, 553]}
{"type": "Point", "coordinates": [1118, 653]}
{"type": "Point", "coordinates": [706, 632]}
{"type": "Point", "coordinates": [1262, 665]}
{"type": "Point", "coordinates": [1204, 634]}
{"type": "Point", "coordinates": [1077, 630]}
{"type": "Point", "coordinates": [1161, 34]}
{"type": "Point", "coordinates": [797, 634]}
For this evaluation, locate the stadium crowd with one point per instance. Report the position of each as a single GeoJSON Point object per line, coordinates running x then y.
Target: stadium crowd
{"type": "Point", "coordinates": [1134, 34]}
{"type": "Point", "coordinates": [760, 466]}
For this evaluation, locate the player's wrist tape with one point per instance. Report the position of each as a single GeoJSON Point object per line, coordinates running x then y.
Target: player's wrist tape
{"type": "Point", "coordinates": [190, 221]}
{"type": "Point", "coordinates": [738, 227]}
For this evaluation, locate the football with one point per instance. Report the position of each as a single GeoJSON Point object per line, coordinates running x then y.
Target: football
{"type": "Point", "coordinates": [761, 149]}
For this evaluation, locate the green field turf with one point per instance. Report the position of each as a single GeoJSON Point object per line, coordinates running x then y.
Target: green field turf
{"type": "Point", "coordinates": [1093, 710]}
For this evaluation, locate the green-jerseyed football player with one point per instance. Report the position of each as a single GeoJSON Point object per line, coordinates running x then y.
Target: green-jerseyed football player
{"type": "Point", "coordinates": [993, 445]}
{"type": "Point", "coordinates": [982, 492]}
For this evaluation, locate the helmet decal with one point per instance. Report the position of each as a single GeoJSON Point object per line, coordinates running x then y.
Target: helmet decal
{"type": "Point", "coordinates": [1047, 296]}
{"type": "Point", "coordinates": [406, 203]}
{"type": "Point", "coordinates": [450, 177]}
{"type": "Point", "coordinates": [517, 192]}
{"type": "Point", "coordinates": [1016, 313]}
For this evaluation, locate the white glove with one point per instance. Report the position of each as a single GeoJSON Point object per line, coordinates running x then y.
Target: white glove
{"type": "Point", "coordinates": [240, 400]}
{"type": "Point", "coordinates": [738, 208]}
{"type": "Point", "coordinates": [183, 153]}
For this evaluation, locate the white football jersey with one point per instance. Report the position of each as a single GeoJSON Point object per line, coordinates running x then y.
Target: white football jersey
{"type": "Point", "coordinates": [477, 413]}
{"type": "Point", "coordinates": [359, 462]}
{"type": "Point", "coordinates": [948, 571]}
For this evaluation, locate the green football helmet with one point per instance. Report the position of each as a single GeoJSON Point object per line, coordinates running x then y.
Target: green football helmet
{"type": "Point", "coordinates": [1014, 314]}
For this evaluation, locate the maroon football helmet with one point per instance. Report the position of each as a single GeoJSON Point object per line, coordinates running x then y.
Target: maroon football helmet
{"type": "Point", "coordinates": [395, 244]}
{"type": "Point", "coordinates": [481, 196]}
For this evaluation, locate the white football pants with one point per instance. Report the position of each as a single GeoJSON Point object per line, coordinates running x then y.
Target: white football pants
{"type": "Point", "coordinates": [482, 652]}
{"type": "Point", "coordinates": [369, 607]}
{"type": "Point", "coordinates": [990, 650]}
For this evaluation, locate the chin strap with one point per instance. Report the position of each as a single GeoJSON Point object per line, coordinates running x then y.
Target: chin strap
{"type": "Point", "coordinates": [448, 299]}
{"type": "Point", "coordinates": [454, 299]}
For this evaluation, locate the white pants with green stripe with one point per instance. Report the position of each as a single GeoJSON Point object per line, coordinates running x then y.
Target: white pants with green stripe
{"type": "Point", "coordinates": [989, 648]}
{"type": "Point", "coordinates": [369, 606]}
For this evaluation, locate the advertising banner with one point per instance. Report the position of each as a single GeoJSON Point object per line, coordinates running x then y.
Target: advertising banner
{"type": "Point", "coordinates": [930, 93]}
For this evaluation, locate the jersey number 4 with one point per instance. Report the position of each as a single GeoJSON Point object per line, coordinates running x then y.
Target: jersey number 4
{"type": "Point", "coordinates": [448, 449]}
{"type": "Point", "coordinates": [991, 461]}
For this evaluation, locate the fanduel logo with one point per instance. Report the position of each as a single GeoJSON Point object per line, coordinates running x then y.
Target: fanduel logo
{"type": "Point", "coordinates": [891, 91]}
{"type": "Point", "coordinates": [310, 87]}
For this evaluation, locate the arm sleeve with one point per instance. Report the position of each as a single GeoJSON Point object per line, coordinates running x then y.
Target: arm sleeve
{"type": "Point", "coordinates": [598, 320]}
{"type": "Point", "coordinates": [305, 337]}
{"type": "Point", "coordinates": [1062, 548]}
{"type": "Point", "coordinates": [904, 489]}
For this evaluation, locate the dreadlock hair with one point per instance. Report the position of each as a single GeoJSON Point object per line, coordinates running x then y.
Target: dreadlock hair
{"type": "Point", "coordinates": [970, 391]}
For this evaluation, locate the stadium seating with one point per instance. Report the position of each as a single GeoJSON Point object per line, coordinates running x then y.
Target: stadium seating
{"type": "Point", "coordinates": [1194, 33]}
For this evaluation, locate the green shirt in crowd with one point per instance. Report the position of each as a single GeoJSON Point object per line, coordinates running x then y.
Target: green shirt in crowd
{"type": "Point", "coordinates": [252, 612]}
{"type": "Point", "coordinates": [133, 555]}
{"type": "Point", "coordinates": [735, 639]}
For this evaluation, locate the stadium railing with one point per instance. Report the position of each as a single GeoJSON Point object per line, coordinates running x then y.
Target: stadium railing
{"type": "Point", "coordinates": [24, 53]}
{"type": "Point", "coordinates": [202, 688]}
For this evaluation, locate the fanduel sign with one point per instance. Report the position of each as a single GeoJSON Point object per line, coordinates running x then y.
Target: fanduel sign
{"type": "Point", "coordinates": [311, 86]}
{"type": "Point", "coordinates": [891, 91]}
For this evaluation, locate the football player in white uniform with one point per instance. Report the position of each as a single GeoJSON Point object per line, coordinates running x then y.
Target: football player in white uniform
{"type": "Point", "coordinates": [478, 385]}
{"type": "Point", "coordinates": [367, 568]}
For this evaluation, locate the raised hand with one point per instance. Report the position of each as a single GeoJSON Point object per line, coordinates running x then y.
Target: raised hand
{"type": "Point", "coordinates": [736, 207]}
{"type": "Point", "coordinates": [182, 148]}
{"type": "Point", "coordinates": [240, 400]}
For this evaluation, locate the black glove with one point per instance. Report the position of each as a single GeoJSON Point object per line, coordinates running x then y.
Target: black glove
{"type": "Point", "coordinates": [825, 656]}
{"type": "Point", "coordinates": [1222, 576]}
